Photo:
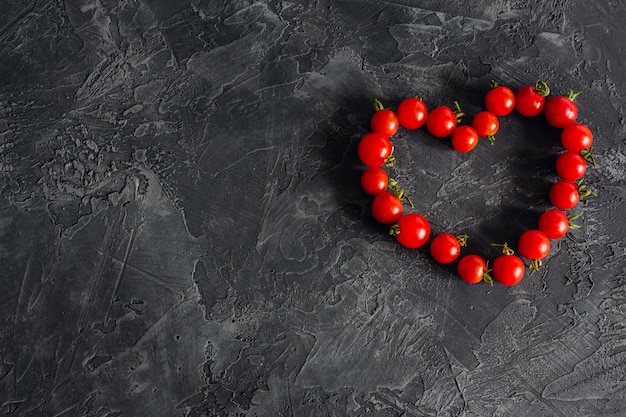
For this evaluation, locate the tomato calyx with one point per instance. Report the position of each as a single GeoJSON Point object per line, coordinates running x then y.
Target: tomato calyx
{"type": "Point", "coordinates": [583, 191]}
{"type": "Point", "coordinates": [570, 221]}
{"type": "Point", "coordinates": [572, 95]}
{"type": "Point", "coordinates": [487, 275]}
{"type": "Point", "coordinates": [462, 239]}
{"type": "Point", "coordinates": [378, 105]}
{"type": "Point", "coordinates": [458, 113]}
{"type": "Point", "coordinates": [506, 249]}
{"type": "Point", "coordinates": [542, 88]}
{"type": "Point", "coordinates": [587, 155]}
{"type": "Point", "coordinates": [399, 192]}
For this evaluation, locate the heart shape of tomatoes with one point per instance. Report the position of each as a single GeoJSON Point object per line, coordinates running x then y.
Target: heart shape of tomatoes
{"type": "Point", "coordinates": [412, 230]}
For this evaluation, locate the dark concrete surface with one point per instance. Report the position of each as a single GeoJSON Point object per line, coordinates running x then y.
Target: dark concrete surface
{"type": "Point", "coordinates": [182, 231]}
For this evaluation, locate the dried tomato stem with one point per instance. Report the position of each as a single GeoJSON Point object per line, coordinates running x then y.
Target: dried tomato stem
{"type": "Point", "coordinates": [535, 265]}
{"type": "Point", "coordinates": [458, 113]}
{"type": "Point", "coordinates": [506, 250]}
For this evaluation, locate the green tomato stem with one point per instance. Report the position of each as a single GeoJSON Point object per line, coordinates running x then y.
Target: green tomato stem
{"type": "Point", "coordinates": [487, 276]}
{"type": "Point", "coordinates": [583, 191]}
{"type": "Point", "coordinates": [572, 95]}
{"type": "Point", "coordinates": [542, 88]}
{"type": "Point", "coordinates": [570, 221]}
{"type": "Point", "coordinates": [587, 154]}
{"type": "Point", "coordinates": [378, 105]}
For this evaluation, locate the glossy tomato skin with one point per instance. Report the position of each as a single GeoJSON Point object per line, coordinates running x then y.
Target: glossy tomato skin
{"type": "Point", "coordinates": [412, 113]}
{"type": "Point", "coordinates": [508, 269]}
{"type": "Point", "coordinates": [486, 124]}
{"type": "Point", "coordinates": [374, 149]}
{"type": "Point", "coordinates": [386, 208]}
{"type": "Point", "coordinates": [564, 194]}
{"type": "Point", "coordinates": [464, 138]}
{"type": "Point", "coordinates": [374, 180]}
{"type": "Point", "coordinates": [571, 165]}
{"type": "Point", "coordinates": [472, 268]}
{"type": "Point", "coordinates": [560, 111]}
{"type": "Point", "coordinates": [554, 223]}
{"type": "Point", "coordinates": [441, 122]}
{"type": "Point", "coordinates": [533, 244]}
{"type": "Point", "coordinates": [500, 100]}
{"type": "Point", "coordinates": [528, 101]}
{"type": "Point", "coordinates": [576, 137]}
{"type": "Point", "coordinates": [445, 248]}
{"type": "Point", "coordinates": [413, 230]}
{"type": "Point", "coordinates": [384, 122]}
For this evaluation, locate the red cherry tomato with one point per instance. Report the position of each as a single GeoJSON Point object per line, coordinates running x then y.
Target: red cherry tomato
{"type": "Point", "coordinates": [385, 122]}
{"type": "Point", "coordinates": [576, 137]}
{"type": "Point", "coordinates": [554, 223]}
{"type": "Point", "coordinates": [571, 165]}
{"type": "Point", "coordinates": [500, 100]}
{"type": "Point", "coordinates": [374, 180]}
{"type": "Point", "coordinates": [412, 113]}
{"type": "Point", "coordinates": [533, 244]}
{"type": "Point", "coordinates": [486, 124]}
{"type": "Point", "coordinates": [564, 194]}
{"type": "Point", "coordinates": [508, 269]}
{"type": "Point", "coordinates": [529, 101]}
{"type": "Point", "coordinates": [445, 248]}
{"type": "Point", "coordinates": [561, 111]}
{"type": "Point", "coordinates": [472, 268]}
{"type": "Point", "coordinates": [412, 230]}
{"type": "Point", "coordinates": [386, 208]}
{"type": "Point", "coordinates": [464, 138]}
{"type": "Point", "coordinates": [374, 149]}
{"type": "Point", "coordinates": [441, 122]}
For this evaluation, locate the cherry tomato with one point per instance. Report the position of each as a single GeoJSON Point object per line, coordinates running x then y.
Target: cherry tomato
{"type": "Point", "coordinates": [561, 111]}
{"type": "Point", "coordinates": [533, 244]}
{"type": "Point", "coordinates": [441, 122]}
{"type": "Point", "coordinates": [508, 269]}
{"type": "Point", "coordinates": [374, 180]}
{"type": "Point", "coordinates": [554, 223]}
{"type": "Point", "coordinates": [464, 138]}
{"type": "Point", "coordinates": [445, 248]}
{"type": "Point", "coordinates": [529, 101]}
{"type": "Point", "coordinates": [472, 268]}
{"type": "Point", "coordinates": [375, 149]}
{"type": "Point", "coordinates": [571, 165]}
{"type": "Point", "coordinates": [386, 208]}
{"type": "Point", "coordinates": [576, 137]}
{"type": "Point", "coordinates": [564, 194]}
{"type": "Point", "coordinates": [486, 124]}
{"type": "Point", "coordinates": [412, 113]}
{"type": "Point", "coordinates": [385, 122]}
{"type": "Point", "coordinates": [500, 100]}
{"type": "Point", "coordinates": [412, 230]}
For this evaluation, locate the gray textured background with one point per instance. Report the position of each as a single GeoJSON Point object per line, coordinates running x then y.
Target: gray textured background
{"type": "Point", "coordinates": [182, 231]}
